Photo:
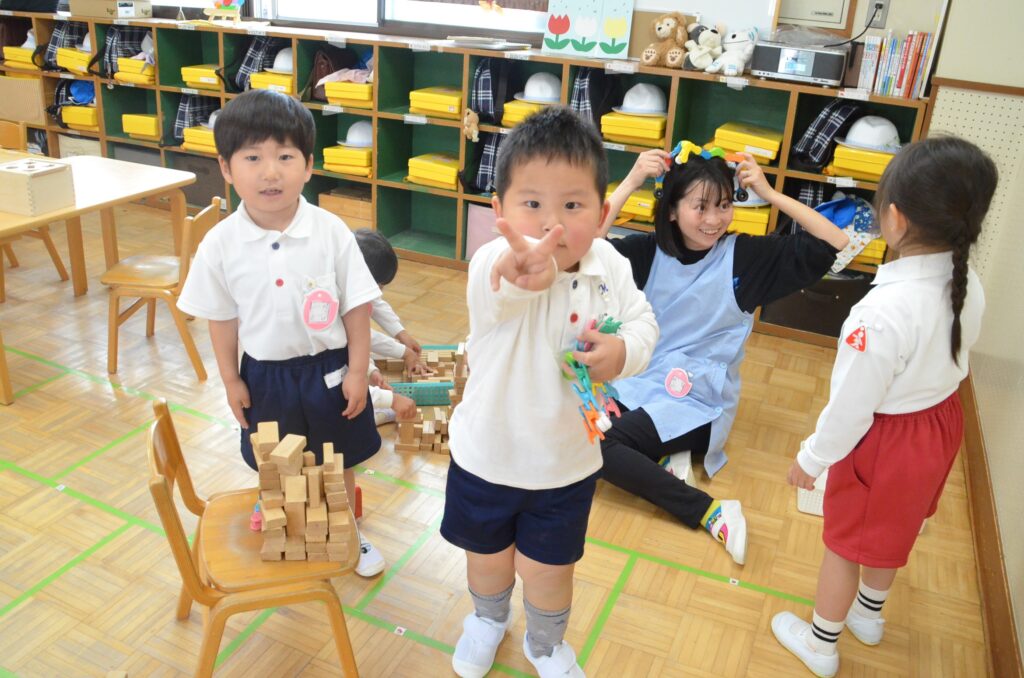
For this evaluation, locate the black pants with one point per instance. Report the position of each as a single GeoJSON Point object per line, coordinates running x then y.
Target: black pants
{"type": "Point", "coordinates": [631, 450]}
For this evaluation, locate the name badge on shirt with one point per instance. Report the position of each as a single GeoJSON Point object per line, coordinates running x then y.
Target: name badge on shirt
{"type": "Point", "coordinates": [319, 309]}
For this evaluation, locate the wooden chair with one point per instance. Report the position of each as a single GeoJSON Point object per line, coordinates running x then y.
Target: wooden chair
{"type": "Point", "coordinates": [14, 135]}
{"type": "Point", "coordinates": [148, 278]}
{"type": "Point", "coordinates": [222, 570]}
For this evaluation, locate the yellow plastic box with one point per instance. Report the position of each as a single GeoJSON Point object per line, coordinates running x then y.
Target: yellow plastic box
{"type": "Point", "coordinates": [203, 76]}
{"type": "Point", "coordinates": [763, 156]}
{"type": "Point", "coordinates": [277, 82]}
{"type": "Point", "coordinates": [868, 163]}
{"type": "Point", "coordinates": [874, 253]}
{"type": "Point", "coordinates": [200, 148]}
{"type": "Point", "coordinates": [436, 166]}
{"type": "Point", "coordinates": [632, 140]}
{"type": "Point", "coordinates": [81, 118]}
{"type": "Point", "coordinates": [136, 78]}
{"type": "Point", "coordinates": [636, 125]}
{"type": "Point", "coordinates": [433, 183]}
{"type": "Point", "coordinates": [355, 170]}
{"type": "Point", "coordinates": [19, 57]}
{"type": "Point", "coordinates": [141, 126]}
{"type": "Point", "coordinates": [73, 59]}
{"type": "Point", "coordinates": [199, 135]}
{"type": "Point", "coordinates": [350, 92]}
{"type": "Point", "coordinates": [516, 111]}
{"type": "Point", "coordinates": [832, 171]}
{"type": "Point", "coordinates": [342, 155]}
{"type": "Point", "coordinates": [750, 220]}
{"type": "Point", "coordinates": [445, 101]}
{"type": "Point", "coordinates": [640, 205]}
{"type": "Point", "coordinates": [129, 65]}
{"type": "Point", "coordinates": [762, 138]}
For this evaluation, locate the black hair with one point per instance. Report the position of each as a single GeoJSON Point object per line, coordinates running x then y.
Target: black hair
{"type": "Point", "coordinates": [554, 133]}
{"type": "Point", "coordinates": [260, 114]}
{"type": "Point", "coordinates": [379, 255]}
{"type": "Point", "coordinates": [943, 186]}
{"type": "Point", "coordinates": [713, 173]}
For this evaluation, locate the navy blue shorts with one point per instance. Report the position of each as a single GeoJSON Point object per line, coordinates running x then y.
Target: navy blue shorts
{"type": "Point", "coordinates": [549, 526]}
{"type": "Point", "coordinates": [293, 393]}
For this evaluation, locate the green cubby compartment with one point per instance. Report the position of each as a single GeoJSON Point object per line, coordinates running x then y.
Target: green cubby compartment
{"type": "Point", "coordinates": [315, 186]}
{"type": "Point", "coordinates": [120, 100]}
{"type": "Point", "coordinates": [235, 46]}
{"type": "Point", "coordinates": [130, 153]}
{"type": "Point", "coordinates": [209, 180]}
{"type": "Point", "coordinates": [399, 70]}
{"type": "Point", "coordinates": [331, 128]}
{"type": "Point", "coordinates": [474, 153]}
{"type": "Point", "coordinates": [619, 165]}
{"type": "Point", "coordinates": [623, 82]}
{"type": "Point", "coordinates": [810, 105]}
{"type": "Point", "coordinates": [792, 187]}
{"type": "Point", "coordinates": [169, 103]}
{"type": "Point", "coordinates": [702, 106]}
{"type": "Point", "coordinates": [418, 221]}
{"type": "Point", "coordinates": [305, 54]}
{"type": "Point", "coordinates": [398, 141]}
{"type": "Point", "coordinates": [177, 48]}
{"type": "Point", "coordinates": [519, 73]}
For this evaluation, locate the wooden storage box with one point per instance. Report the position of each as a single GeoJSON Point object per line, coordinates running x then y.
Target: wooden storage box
{"type": "Point", "coordinates": [139, 126]}
{"type": "Point", "coordinates": [81, 118]}
{"type": "Point", "coordinates": [73, 59]}
{"type": "Point", "coordinates": [31, 186]}
{"type": "Point", "coordinates": [353, 205]}
{"type": "Point", "coordinates": [203, 76]}
{"type": "Point", "coordinates": [277, 82]}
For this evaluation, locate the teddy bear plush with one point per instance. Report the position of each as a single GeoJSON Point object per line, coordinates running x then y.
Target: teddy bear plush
{"type": "Point", "coordinates": [737, 47]}
{"type": "Point", "coordinates": [670, 34]}
{"type": "Point", "coordinates": [703, 47]}
{"type": "Point", "coordinates": [471, 125]}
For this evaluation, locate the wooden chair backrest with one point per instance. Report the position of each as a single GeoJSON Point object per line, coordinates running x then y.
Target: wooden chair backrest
{"type": "Point", "coordinates": [13, 135]}
{"type": "Point", "coordinates": [193, 232]}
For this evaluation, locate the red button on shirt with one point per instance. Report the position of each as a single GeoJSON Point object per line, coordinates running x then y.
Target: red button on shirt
{"type": "Point", "coordinates": [573, 318]}
{"type": "Point", "coordinates": [279, 282]}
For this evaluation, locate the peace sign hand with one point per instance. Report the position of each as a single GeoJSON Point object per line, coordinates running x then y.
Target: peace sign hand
{"type": "Point", "coordinates": [527, 265]}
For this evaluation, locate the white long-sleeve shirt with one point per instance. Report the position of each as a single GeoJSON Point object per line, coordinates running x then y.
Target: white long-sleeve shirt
{"type": "Point", "coordinates": [519, 423]}
{"type": "Point", "coordinates": [894, 354]}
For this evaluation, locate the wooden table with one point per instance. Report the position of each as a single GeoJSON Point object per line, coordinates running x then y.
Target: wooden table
{"type": "Point", "coordinates": [101, 184]}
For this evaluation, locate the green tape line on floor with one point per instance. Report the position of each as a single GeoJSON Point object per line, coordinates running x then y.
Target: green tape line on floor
{"type": "Point", "coordinates": [4, 673]}
{"type": "Point", "coordinates": [89, 457]}
{"type": "Point", "coordinates": [606, 610]}
{"type": "Point", "coordinates": [399, 564]}
{"type": "Point", "coordinates": [38, 385]}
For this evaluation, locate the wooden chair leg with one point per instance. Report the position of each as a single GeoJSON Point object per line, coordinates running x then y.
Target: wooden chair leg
{"type": "Point", "coordinates": [6, 392]}
{"type": "Point", "coordinates": [3, 281]}
{"type": "Point", "coordinates": [341, 638]}
{"type": "Point", "coordinates": [9, 251]}
{"type": "Point", "coordinates": [212, 634]}
{"type": "Point", "coordinates": [186, 338]}
{"type": "Point", "coordinates": [150, 317]}
{"type": "Point", "coordinates": [184, 599]}
{"type": "Point", "coordinates": [58, 263]}
{"type": "Point", "coordinates": [113, 326]}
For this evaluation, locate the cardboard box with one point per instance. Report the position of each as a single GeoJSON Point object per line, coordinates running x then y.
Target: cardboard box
{"type": "Point", "coordinates": [21, 100]}
{"type": "Point", "coordinates": [112, 9]}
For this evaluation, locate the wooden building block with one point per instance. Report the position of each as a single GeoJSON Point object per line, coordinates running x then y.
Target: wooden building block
{"type": "Point", "coordinates": [428, 428]}
{"type": "Point", "coordinates": [270, 553]}
{"type": "Point", "coordinates": [287, 455]}
{"type": "Point", "coordinates": [294, 490]}
{"type": "Point", "coordinates": [314, 487]}
{"type": "Point", "coordinates": [337, 521]}
{"type": "Point", "coordinates": [294, 543]}
{"type": "Point", "coordinates": [402, 447]}
{"type": "Point", "coordinates": [328, 457]}
{"type": "Point", "coordinates": [337, 501]}
{"type": "Point", "coordinates": [274, 518]}
{"type": "Point", "coordinates": [270, 479]}
{"type": "Point", "coordinates": [334, 476]}
{"type": "Point", "coordinates": [338, 537]}
{"type": "Point", "coordinates": [268, 439]}
{"type": "Point", "coordinates": [295, 504]}
{"type": "Point", "coordinates": [406, 432]}
{"type": "Point", "coordinates": [271, 499]}
{"type": "Point", "coordinates": [316, 547]}
{"type": "Point", "coordinates": [317, 557]}
{"type": "Point", "coordinates": [333, 488]}
{"type": "Point", "coordinates": [308, 459]}
{"type": "Point", "coordinates": [316, 518]}
{"type": "Point", "coordinates": [297, 555]}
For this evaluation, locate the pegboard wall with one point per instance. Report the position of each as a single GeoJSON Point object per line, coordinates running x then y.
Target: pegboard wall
{"type": "Point", "coordinates": [995, 122]}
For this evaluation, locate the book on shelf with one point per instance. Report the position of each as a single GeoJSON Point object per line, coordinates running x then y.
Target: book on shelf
{"type": "Point", "coordinates": [903, 64]}
{"type": "Point", "coordinates": [869, 63]}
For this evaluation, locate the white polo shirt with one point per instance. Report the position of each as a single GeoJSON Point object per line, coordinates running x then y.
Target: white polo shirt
{"type": "Point", "coordinates": [894, 353]}
{"type": "Point", "coordinates": [519, 422]}
{"type": "Point", "coordinates": [262, 278]}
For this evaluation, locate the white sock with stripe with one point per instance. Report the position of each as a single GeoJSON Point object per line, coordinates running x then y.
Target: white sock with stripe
{"type": "Point", "coordinates": [869, 601]}
{"type": "Point", "coordinates": [824, 634]}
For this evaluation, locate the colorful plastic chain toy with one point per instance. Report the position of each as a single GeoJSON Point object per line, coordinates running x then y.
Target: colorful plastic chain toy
{"type": "Point", "coordinates": [681, 154]}
{"type": "Point", "coordinates": [598, 398]}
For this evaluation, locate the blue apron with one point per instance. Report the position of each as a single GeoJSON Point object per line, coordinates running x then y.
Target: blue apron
{"type": "Point", "coordinates": [693, 377]}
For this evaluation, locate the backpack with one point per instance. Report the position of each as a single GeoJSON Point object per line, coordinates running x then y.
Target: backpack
{"type": "Point", "coordinates": [65, 34]}
{"type": "Point", "coordinates": [258, 56]}
{"type": "Point", "coordinates": [594, 92]}
{"type": "Point", "coordinates": [122, 41]}
{"type": "Point", "coordinates": [817, 144]}
{"type": "Point", "coordinates": [485, 157]}
{"type": "Point", "coordinates": [193, 110]}
{"type": "Point", "coordinates": [70, 93]}
{"type": "Point", "coordinates": [490, 89]}
{"type": "Point", "coordinates": [328, 59]}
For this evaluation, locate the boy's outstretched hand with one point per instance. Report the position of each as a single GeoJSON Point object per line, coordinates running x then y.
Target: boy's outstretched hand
{"type": "Point", "coordinates": [527, 265]}
{"type": "Point", "coordinates": [606, 358]}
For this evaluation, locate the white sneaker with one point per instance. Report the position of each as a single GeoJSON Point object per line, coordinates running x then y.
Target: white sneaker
{"type": "Point", "coordinates": [793, 633]}
{"type": "Point", "coordinates": [561, 663]}
{"type": "Point", "coordinates": [867, 631]}
{"type": "Point", "coordinates": [474, 653]}
{"type": "Point", "coordinates": [371, 561]}
{"type": "Point", "coordinates": [731, 529]}
{"type": "Point", "coordinates": [383, 416]}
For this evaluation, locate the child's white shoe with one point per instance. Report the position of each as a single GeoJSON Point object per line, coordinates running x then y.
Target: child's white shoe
{"type": "Point", "coordinates": [561, 663]}
{"type": "Point", "coordinates": [793, 633]}
{"type": "Point", "coordinates": [867, 631]}
{"type": "Point", "coordinates": [371, 561]}
{"type": "Point", "coordinates": [730, 528]}
{"type": "Point", "coordinates": [383, 416]}
{"type": "Point", "coordinates": [474, 653]}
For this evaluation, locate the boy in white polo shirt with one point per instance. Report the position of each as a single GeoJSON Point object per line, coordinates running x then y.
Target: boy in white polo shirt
{"type": "Point", "coordinates": [285, 279]}
{"type": "Point", "coordinates": [523, 472]}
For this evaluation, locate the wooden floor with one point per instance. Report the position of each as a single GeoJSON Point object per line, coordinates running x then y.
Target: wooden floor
{"type": "Point", "coordinates": [87, 583]}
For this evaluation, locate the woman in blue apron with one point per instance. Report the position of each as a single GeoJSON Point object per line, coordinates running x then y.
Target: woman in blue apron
{"type": "Point", "coordinates": [704, 286]}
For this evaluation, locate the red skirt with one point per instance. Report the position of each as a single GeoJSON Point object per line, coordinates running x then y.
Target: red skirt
{"type": "Point", "coordinates": [878, 496]}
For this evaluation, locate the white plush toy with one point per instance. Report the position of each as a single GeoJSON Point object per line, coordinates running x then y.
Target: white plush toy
{"type": "Point", "coordinates": [738, 47]}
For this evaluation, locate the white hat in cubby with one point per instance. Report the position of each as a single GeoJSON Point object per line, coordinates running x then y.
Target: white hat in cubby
{"type": "Point", "coordinates": [360, 135]}
{"type": "Point", "coordinates": [282, 62]}
{"type": "Point", "coordinates": [30, 40]}
{"type": "Point", "coordinates": [85, 45]}
{"type": "Point", "coordinates": [643, 99]}
{"type": "Point", "coordinates": [541, 88]}
{"type": "Point", "coordinates": [872, 133]}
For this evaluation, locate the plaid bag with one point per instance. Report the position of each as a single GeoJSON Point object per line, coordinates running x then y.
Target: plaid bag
{"type": "Point", "coordinates": [193, 110]}
{"type": "Point", "coordinates": [815, 148]}
{"type": "Point", "coordinates": [259, 56]}
{"type": "Point", "coordinates": [486, 157]}
{"type": "Point", "coordinates": [65, 34]}
{"type": "Point", "coordinates": [489, 89]}
{"type": "Point", "coordinates": [594, 93]}
{"type": "Point", "coordinates": [810, 193]}
{"type": "Point", "coordinates": [122, 41]}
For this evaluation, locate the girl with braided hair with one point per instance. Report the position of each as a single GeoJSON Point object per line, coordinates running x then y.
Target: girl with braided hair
{"type": "Point", "coordinates": [893, 425]}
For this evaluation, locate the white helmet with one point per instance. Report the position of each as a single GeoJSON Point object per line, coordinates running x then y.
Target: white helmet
{"type": "Point", "coordinates": [360, 135]}
{"type": "Point", "coordinates": [212, 120]}
{"type": "Point", "coordinates": [282, 62]}
{"type": "Point", "coordinates": [873, 133]}
{"type": "Point", "coordinates": [86, 44]}
{"type": "Point", "coordinates": [30, 40]}
{"type": "Point", "coordinates": [643, 99]}
{"type": "Point", "coordinates": [541, 88]}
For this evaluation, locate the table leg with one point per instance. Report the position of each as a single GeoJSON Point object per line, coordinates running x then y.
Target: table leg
{"type": "Point", "coordinates": [6, 393]}
{"type": "Point", "coordinates": [179, 210]}
{"type": "Point", "coordinates": [109, 229]}
{"type": "Point", "coordinates": [76, 252]}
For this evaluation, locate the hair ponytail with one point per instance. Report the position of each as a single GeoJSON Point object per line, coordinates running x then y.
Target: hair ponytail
{"type": "Point", "coordinates": [958, 293]}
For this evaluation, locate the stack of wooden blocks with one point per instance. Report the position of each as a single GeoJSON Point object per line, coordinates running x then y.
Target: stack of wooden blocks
{"type": "Point", "coordinates": [304, 506]}
{"type": "Point", "coordinates": [427, 433]}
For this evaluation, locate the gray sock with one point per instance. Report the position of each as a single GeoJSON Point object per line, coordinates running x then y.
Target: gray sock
{"type": "Point", "coordinates": [544, 629]}
{"type": "Point", "coordinates": [494, 607]}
